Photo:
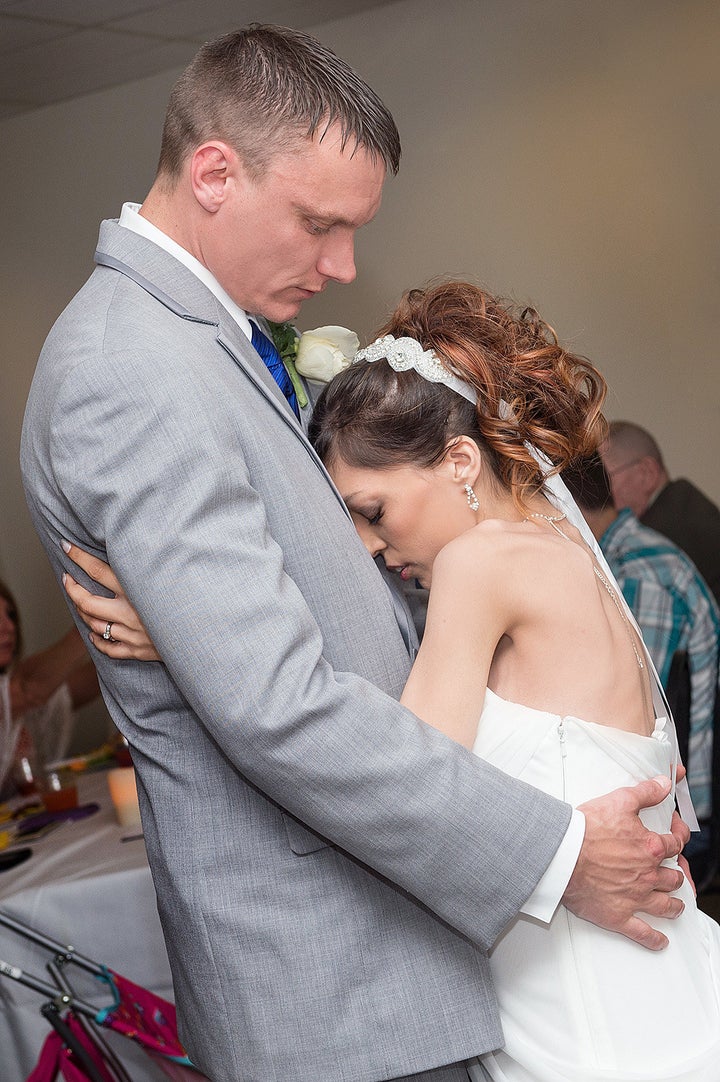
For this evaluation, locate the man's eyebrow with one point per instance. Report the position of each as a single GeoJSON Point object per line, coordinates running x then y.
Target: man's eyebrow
{"type": "Point", "coordinates": [324, 218]}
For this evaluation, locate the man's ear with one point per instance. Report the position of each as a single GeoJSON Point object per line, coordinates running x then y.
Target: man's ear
{"type": "Point", "coordinates": [650, 472]}
{"type": "Point", "coordinates": [213, 167]}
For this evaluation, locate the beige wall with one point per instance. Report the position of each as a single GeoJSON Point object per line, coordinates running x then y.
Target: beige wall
{"type": "Point", "coordinates": [562, 152]}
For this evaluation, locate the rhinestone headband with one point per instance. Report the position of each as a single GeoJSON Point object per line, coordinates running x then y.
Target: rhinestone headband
{"type": "Point", "coordinates": [403, 354]}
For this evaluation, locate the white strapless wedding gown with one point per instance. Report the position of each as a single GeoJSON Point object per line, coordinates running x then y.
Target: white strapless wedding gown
{"type": "Point", "coordinates": [580, 1004]}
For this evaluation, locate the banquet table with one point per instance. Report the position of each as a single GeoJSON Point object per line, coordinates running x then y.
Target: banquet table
{"type": "Point", "coordinates": [84, 886]}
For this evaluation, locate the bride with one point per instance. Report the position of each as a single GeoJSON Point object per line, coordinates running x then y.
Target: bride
{"type": "Point", "coordinates": [445, 439]}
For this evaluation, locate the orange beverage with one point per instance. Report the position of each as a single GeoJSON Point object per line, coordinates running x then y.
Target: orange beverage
{"type": "Point", "coordinates": [59, 793]}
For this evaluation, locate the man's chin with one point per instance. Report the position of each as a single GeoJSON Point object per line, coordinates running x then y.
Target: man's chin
{"type": "Point", "coordinates": [284, 307]}
{"type": "Point", "coordinates": [281, 311]}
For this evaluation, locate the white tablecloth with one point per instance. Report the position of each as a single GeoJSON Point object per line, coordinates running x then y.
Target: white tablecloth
{"type": "Point", "coordinates": [82, 886]}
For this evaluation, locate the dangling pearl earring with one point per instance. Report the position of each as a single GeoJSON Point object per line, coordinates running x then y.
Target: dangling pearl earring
{"type": "Point", "coordinates": [471, 498]}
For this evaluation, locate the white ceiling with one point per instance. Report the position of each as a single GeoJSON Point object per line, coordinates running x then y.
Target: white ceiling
{"type": "Point", "coordinates": [52, 50]}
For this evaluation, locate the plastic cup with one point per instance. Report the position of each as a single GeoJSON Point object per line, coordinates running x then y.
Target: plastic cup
{"type": "Point", "coordinates": [123, 793]}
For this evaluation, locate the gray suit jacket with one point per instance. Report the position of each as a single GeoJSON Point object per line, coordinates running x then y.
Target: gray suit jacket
{"type": "Point", "coordinates": [330, 871]}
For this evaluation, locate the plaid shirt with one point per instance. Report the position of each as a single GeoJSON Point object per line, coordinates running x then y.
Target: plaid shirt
{"type": "Point", "coordinates": [675, 611]}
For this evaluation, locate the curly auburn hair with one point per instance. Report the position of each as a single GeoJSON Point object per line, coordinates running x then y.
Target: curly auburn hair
{"type": "Point", "coordinates": [372, 416]}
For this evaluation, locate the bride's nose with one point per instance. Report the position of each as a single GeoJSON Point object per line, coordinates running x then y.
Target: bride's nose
{"type": "Point", "coordinates": [374, 544]}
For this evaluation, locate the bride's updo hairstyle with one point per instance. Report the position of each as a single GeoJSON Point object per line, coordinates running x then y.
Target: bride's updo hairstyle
{"type": "Point", "coordinates": [374, 417]}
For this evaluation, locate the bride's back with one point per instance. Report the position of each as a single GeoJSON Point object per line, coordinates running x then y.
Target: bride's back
{"type": "Point", "coordinates": [569, 648]}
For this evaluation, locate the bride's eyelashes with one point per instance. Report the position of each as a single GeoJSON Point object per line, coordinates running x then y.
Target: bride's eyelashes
{"type": "Point", "coordinates": [372, 514]}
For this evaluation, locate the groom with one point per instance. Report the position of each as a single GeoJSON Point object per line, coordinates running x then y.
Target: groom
{"type": "Point", "coordinates": [330, 872]}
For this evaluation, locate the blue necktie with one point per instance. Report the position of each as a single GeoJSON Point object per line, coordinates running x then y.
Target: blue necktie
{"type": "Point", "coordinates": [274, 365]}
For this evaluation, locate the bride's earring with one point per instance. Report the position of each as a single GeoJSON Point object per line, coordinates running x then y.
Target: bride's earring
{"type": "Point", "coordinates": [471, 498]}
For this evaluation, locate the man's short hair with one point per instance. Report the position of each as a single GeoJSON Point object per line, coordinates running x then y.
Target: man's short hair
{"type": "Point", "coordinates": [589, 484]}
{"type": "Point", "coordinates": [261, 89]}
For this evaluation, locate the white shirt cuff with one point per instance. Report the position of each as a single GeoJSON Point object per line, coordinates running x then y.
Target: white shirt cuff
{"type": "Point", "coordinates": [545, 899]}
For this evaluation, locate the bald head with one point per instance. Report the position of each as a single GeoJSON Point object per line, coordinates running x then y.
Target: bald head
{"type": "Point", "coordinates": [634, 464]}
{"type": "Point", "coordinates": [633, 441]}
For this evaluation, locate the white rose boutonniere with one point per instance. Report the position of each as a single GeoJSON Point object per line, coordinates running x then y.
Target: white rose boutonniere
{"type": "Point", "coordinates": [324, 352]}
{"type": "Point", "coordinates": [318, 354]}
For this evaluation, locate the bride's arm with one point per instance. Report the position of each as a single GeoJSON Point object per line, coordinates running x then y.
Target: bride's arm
{"type": "Point", "coordinates": [129, 639]}
{"type": "Point", "coordinates": [468, 614]}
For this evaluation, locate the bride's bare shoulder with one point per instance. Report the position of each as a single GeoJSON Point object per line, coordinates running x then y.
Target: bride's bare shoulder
{"type": "Point", "coordinates": [482, 550]}
{"type": "Point", "coordinates": [470, 584]}
{"type": "Point", "coordinates": [502, 552]}
{"type": "Point", "coordinates": [490, 538]}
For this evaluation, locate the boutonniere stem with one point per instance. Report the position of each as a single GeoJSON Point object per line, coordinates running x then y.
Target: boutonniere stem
{"type": "Point", "coordinates": [286, 342]}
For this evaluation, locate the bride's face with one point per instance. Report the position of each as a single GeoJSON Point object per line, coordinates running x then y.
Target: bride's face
{"type": "Point", "coordinates": [404, 514]}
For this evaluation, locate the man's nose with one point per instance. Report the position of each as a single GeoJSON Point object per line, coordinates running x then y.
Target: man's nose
{"type": "Point", "coordinates": [337, 260]}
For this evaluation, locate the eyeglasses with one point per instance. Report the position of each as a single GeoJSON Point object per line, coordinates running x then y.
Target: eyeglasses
{"type": "Point", "coordinates": [620, 469]}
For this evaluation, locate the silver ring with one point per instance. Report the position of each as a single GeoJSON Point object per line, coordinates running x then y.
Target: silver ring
{"type": "Point", "coordinates": [107, 633]}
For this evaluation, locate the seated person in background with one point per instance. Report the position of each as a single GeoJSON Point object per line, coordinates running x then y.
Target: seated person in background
{"type": "Point", "coordinates": [38, 689]}
{"type": "Point", "coordinates": [672, 604]}
{"type": "Point", "coordinates": [678, 509]}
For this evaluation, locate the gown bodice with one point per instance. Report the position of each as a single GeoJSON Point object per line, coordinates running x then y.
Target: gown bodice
{"type": "Point", "coordinates": [579, 1003]}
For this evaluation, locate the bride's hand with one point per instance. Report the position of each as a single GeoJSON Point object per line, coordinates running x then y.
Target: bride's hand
{"type": "Point", "coordinates": [113, 617]}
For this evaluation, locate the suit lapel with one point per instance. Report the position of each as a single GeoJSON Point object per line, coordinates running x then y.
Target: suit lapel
{"type": "Point", "coordinates": [165, 279]}
{"type": "Point", "coordinates": [235, 343]}
{"type": "Point", "coordinates": [306, 411]}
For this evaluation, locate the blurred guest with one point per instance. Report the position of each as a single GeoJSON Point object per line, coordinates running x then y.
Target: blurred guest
{"type": "Point", "coordinates": [40, 691]}
{"type": "Point", "coordinates": [671, 602]}
{"type": "Point", "coordinates": [640, 481]}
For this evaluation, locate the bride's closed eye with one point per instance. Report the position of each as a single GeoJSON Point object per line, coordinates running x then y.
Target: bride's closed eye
{"type": "Point", "coordinates": [372, 515]}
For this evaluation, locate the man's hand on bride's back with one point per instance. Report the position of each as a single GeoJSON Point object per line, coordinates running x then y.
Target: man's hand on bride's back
{"type": "Point", "coordinates": [126, 634]}
{"type": "Point", "coordinates": [619, 874]}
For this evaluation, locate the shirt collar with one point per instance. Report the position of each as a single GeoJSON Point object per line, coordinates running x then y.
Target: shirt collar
{"type": "Point", "coordinates": [617, 530]}
{"type": "Point", "coordinates": [131, 219]}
